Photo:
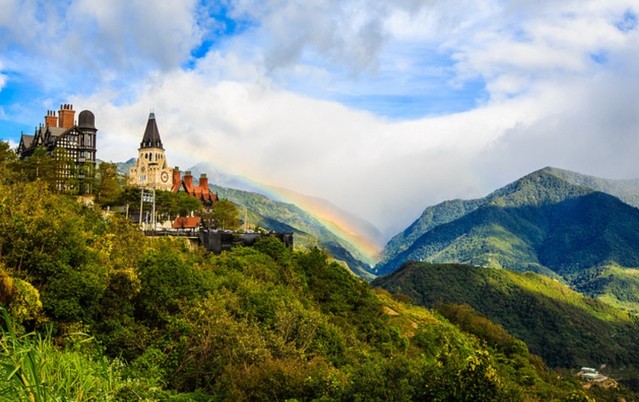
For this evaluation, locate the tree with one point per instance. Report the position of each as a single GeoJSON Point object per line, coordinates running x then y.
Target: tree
{"type": "Point", "coordinates": [186, 204]}
{"type": "Point", "coordinates": [108, 189]}
{"type": "Point", "coordinates": [8, 160]}
{"type": "Point", "coordinates": [223, 215]}
{"type": "Point", "coordinates": [40, 166]}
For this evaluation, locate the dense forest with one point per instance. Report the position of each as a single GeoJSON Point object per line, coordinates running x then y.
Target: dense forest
{"type": "Point", "coordinates": [564, 327]}
{"type": "Point", "coordinates": [93, 310]}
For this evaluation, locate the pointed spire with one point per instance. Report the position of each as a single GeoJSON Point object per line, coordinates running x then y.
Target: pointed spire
{"type": "Point", "coordinates": [151, 137]}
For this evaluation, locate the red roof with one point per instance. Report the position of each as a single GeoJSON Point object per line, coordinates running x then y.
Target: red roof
{"type": "Point", "coordinates": [186, 222]}
{"type": "Point", "coordinates": [200, 191]}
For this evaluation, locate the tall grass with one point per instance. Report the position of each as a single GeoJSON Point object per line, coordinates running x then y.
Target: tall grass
{"type": "Point", "coordinates": [32, 369]}
{"type": "Point", "coordinates": [20, 366]}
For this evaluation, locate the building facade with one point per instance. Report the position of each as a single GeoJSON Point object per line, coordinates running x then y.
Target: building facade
{"type": "Point", "coordinates": [71, 146]}
{"type": "Point", "coordinates": [151, 169]}
{"type": "Point", "coordinates": [201, 190]}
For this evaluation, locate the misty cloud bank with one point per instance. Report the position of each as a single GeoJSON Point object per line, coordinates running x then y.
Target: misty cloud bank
{"type": "Point", "coordinates": [262, 89]}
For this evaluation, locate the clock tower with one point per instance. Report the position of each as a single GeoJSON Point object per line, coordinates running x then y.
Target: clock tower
{"type": "Point", "coordinates": [151, 169]}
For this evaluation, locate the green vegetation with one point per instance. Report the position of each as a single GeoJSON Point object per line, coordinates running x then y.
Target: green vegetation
{"type": "Point", "coordinates": [626, 190]}
{"type": "Point", "coordinates": [224, 215]}
{"type": "Point", "coordinates": [540, 223]}
{"type": "Point", "coordinates": [262, 213]}
{"type": "Point", "coordinates": [439, 214]}
{"type": "Point", "coordinates": [564, 327]}
{"type": "Point", "coordinates": [109, 185]}
{"type": "Point", "coordinates": [96, 311]}
{"type": "Point", "coordinates": [309, 232]}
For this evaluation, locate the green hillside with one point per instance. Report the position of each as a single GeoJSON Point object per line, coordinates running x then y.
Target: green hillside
{"type": "Point", "coordinates": [540, 223]}
{"type": "Point", "coordinates": [439, 214]}
{"type": "Point", "coordinates": [564, 327]}
{"type": "Point", "coordinates": [309, 232]}
{"type": "Point", "coordinates": [626, 190]}
{"type": "Point", "coordinates": [93, 310]}
{"type": "Point", "coordinates": [269, 214]}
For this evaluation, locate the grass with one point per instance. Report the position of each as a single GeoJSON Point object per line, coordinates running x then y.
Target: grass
{"type": "Point", "coordinates": [32, 369]}
{"type": "Point", "coordinates": [20, 365]}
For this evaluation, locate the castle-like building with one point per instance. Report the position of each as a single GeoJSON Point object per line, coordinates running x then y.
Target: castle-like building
{"type": "Point", "coordinates": [71, 144]}
{"type": "Point", "coordinates": [151, 169]}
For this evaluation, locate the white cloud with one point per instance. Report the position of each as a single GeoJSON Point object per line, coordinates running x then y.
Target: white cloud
{"type": "Point", "coordinates": [559, 82]}
{"type": "Point", "coordinates": [84, 44]}
{"type": "Point", "coordinates": [384, 171]}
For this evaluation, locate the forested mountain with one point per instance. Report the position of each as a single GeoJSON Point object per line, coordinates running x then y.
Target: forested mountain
{"type": "Point", "coordinates": [260, 210]}
{"type": "Point", "coordinates": [346, 226]}
{"type": "Point", "coordinates": [564, 327]}
{"type": "Point", "coordinates": [540, 223]}
{"type": "Point", "coordinates": [626, 190]}
{"type": "Point", "coordinates": [94, 310]}
{"type": "Point", "coordinates": [309, 231]}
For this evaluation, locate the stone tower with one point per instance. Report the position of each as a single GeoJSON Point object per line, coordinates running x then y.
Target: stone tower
{"type": "Point", "coordinates": [151, 169]}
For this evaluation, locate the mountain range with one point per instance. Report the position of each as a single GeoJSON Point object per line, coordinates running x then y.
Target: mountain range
{"type": "Point", "coordinates": [554, 222]}
{"type": "Point", "coordinates": [530, 256]}
{"type": "Point", "coordinates": [581, 230]}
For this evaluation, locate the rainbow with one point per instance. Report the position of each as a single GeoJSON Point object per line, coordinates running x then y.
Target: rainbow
{"type": "Point", "coordinates": [335, 220]}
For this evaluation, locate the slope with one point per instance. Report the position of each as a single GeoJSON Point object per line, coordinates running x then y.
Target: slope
{"type": "Point", "coordinates": [564, 327]}
{"type": "Point", "coordinates": [626, 190]}
{"type": "Point", "coordinates": [539, 223]}
{"type": "Point", "coordinates": [349, 227]}
{"type": "Point", "coordinates": [279, 216]}
{"type": "Point", "coordinates": [102, 312]}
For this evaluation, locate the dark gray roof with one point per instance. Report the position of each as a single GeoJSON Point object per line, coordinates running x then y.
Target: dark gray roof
{"type": "Point", "coordinates": [151, 137]}
{"type": "Point", "coordinates": [27, 140]}
{"type": "Point", "coordinates": [55, 131]}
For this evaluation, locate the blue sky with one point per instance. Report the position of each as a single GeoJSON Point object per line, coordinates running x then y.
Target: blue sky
{"type": "Point", "coordinates": [382, 107]}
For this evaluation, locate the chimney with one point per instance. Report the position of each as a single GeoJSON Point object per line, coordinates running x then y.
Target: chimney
{"type": "Point", "coordinates": [66, 116]}
{"type": "Point", "coordinates": [188, 180]}
{"type": "Point", "coordinates": [176, 177]}
{"type": "Point", "coordinates": [204, 182]}
{"type": "Point", "coordinates": [51, 120]}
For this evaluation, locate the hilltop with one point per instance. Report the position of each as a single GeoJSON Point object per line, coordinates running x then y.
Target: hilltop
{"type": "Point", "coordinates": [541, 223]}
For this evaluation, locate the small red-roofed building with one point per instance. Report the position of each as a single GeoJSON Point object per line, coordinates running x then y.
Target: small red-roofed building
{"type": "Point", "coordinates": [187, 222]}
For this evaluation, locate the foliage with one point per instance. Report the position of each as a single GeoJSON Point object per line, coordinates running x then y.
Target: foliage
{"type": "Point", "coordinates": [8, 161]}
{"type": "Point", "coordinates": [129, 318]}
{"type": "Point", "coordinates": [108, 187]}
{"type": "Point", "coordinates": [19, 297]}
{"type": "Point", "coordinates": [529, 306]}
{"type": "Point", "coordinates": [540, 223]}
{"type": "Point", "coordinates": [223, 215]}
